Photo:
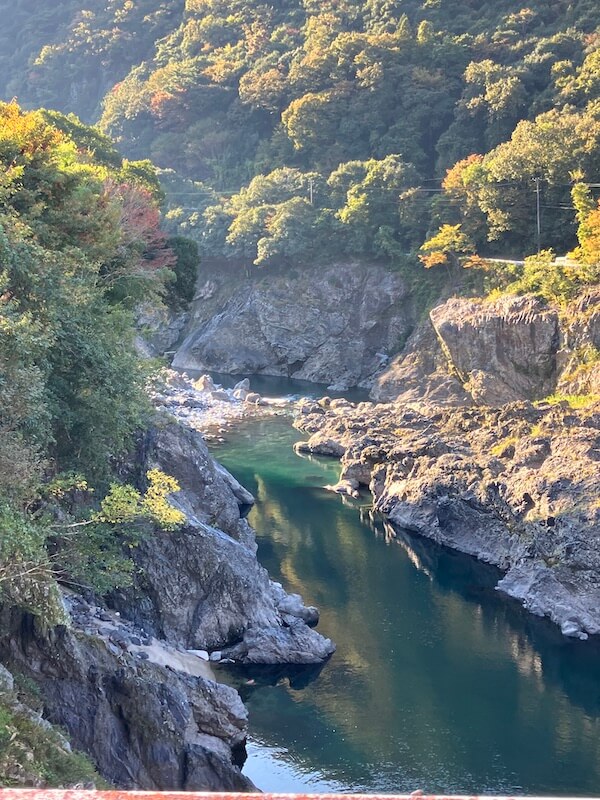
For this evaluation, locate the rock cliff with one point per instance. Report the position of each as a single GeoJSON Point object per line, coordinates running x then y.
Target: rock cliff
{"type": "Point", "coordinates": [202, 587]}
{"type": "Point", "coordinates": [335, 324]}
{"type": "Point", "coordinates": [144, 725]}
{"type": "Point", "coordinates": [516, 487]}
{"type": "Point", "coordinates": [473, 351]}
{"type": "Point", "coordinates": [129, 680]}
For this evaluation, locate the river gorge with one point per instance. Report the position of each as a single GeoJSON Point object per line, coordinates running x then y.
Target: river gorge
{"type": "Point", "coordinates": [420, 674]}
{"type": "Point", "coordinates": [439, 681]}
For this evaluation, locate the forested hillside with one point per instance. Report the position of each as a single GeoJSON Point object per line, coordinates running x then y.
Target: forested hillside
{"type": "Point", "coordinates": [80, 243]}
{"type": "Point", "coordinates": [299, 129]}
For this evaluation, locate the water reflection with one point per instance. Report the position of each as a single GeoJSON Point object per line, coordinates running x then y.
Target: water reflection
{"type": "Point", "coordinates": [439, 681]}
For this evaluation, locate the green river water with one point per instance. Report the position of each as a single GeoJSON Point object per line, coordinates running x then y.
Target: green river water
{"type": "Point", "coordinates": [439, 682]}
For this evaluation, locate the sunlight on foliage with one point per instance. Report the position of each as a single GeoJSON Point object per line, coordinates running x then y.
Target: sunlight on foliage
{"type": "Point", "coordinates": [125, 504]}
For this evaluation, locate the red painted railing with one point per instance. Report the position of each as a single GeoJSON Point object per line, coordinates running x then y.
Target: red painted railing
{"type": "Point", "coordinates": [75, 794]}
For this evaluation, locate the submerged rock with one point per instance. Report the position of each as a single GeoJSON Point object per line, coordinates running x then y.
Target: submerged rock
{"type": "Point", "coordinates": [345, 486]}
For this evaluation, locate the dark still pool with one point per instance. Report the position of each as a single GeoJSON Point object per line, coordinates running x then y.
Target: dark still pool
{"type": "Point", "coordinates": [439, 682]}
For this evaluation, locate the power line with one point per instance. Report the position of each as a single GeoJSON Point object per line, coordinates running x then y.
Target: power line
{"type": "Point", "coordinates": [538, 214]}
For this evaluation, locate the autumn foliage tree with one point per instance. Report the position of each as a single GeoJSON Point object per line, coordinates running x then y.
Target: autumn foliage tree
{"type": "Point", "coordinates": [588, 232]}
{"type": "Point", "coordinates": [78, 247]}
{"type": "Point", "coordinates": [449, 247]}
{"type": "Point", "coordinates": [141, 250]}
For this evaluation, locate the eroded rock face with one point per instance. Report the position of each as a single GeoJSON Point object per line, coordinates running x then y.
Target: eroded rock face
{"type": "Point", "coordinates": [501, 351]}
{"type": "Point", "coordinates": [578, 358]}
{"type": "Point", "coordinates": [420, 373]}
{"type": "Point", "coordinates": [145, 726]}
{"type": "Point", "coordinates": [330, 325]}
{"type": "Point", "coordinates": [516, 487]}
{"type": "Point", "coordinates": [209, 493]}
{"type": "Point", "coordinates": [202, 587]}
{"type": "Point", "coordinates": [159, 330]}
{"type": "Point", "coordinates": [476, 352]}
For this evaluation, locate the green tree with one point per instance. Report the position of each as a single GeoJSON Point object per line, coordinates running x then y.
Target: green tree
{"type": "Point", "coordinates": [450, 247]}
{"type": "Point", "coordinates": [375, 202]}
{"type": "Point", "coordinates": [181, 291]}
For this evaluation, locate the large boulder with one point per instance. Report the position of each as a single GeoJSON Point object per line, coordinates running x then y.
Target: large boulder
{"type": "Point", "coordinates": [294, 644]}
{"type": "Point", "coordinates": [500, 351]}
{"type": "Point", "coordinates": [471, 351]}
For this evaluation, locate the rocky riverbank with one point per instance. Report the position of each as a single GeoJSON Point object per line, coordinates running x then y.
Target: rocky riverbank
{"type": "Point", "coordinates": [208, 407]}
{"type": "Point", "coordinates": [464, 453]}
{"type": "Point", "coordinates": [467, 452]}
{"type": "Point", "coordinates": [516, 487]}
{"type": "Point", "coordinates": [130, 676]}
{"type": "Point", "coordinates": [202, 586]}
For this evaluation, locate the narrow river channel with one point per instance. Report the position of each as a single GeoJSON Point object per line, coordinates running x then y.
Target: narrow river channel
{"type": "Point", "coordinates": [438, 682]}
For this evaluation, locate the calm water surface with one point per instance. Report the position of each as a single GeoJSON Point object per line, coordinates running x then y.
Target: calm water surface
{"type": "Point", "coordinates": [438, 682]}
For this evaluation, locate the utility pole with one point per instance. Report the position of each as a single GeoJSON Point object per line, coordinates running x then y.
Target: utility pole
{"type": "Point", "coordinates": [311, 184]}
{"type": "Point", "coordinates": [538, 213]}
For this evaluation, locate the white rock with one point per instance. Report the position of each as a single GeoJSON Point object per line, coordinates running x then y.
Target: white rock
{"type": "Point", "coordinates": [572, 628]}
{"type": "Point", "coordinates": [203, 654]}
{"type": "Point", "coordinates": [349, 488]}
{"type": "Point", "coordinates": [204, 384]}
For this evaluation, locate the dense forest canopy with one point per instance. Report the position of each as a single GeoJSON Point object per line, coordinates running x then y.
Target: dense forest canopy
{"type": "Point", "coordinates": [80, 245]}
{"type": "Point", "coordinates": [340, 118]}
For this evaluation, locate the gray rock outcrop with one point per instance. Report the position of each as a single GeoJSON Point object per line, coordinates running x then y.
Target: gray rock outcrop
{"type": "Point", "coordinates": [420, 373]}
{"type": "Point", "coordinates": [501, 351]}
{"type": "Point", "coordinates": [331, 324]}
{"type": "Point", "coordinates": [145, 726]}
{"type": "Point", "coordinates": [516, 487]}
{"type": "Point", "coordinates": [202, 587]}
{"type": "Point", "coordinates": [159, 330]}
{"type": "Point", "coordinates": [479, 352]}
